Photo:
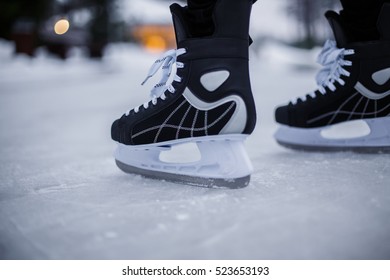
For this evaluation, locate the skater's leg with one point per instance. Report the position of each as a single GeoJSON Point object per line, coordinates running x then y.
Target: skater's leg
{"type": "Point", "coordinates": [200, 4]}
{"type": "Point", "coordinates": [199, 17]}
{"type": "Point", "coordinates": [361, 18]}
{"type": "Point", "coordinates": [200, 20]}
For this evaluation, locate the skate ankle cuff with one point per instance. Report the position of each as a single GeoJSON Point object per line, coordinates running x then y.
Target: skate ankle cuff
{"type": "Point", "coordinates": [221, 48]}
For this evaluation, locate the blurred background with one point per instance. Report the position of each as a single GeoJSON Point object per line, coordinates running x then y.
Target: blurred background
{"type": "Point", "coordinates": [59, 25]}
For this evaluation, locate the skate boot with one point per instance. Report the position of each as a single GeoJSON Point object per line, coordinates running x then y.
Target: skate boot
{"type": "Point", "coordinates": [204, 98]}
{"type": "Point", "coordinates": [350, 110]}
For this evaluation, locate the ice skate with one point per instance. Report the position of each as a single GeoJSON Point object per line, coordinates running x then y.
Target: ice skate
{"type": "Point", "coordinates": [350, 110]}
{"type": "Point", "coordinates": [204, 98]}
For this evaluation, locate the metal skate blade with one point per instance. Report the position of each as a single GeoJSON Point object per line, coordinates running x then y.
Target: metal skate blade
{"type": "Point", "coordinates": [330, 149]}
{"type": "Point", "coordinates": [185, 179]}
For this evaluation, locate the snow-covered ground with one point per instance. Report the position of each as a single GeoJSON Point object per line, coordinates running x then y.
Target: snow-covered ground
{"type": "Point", "coordinates": [62, 197]}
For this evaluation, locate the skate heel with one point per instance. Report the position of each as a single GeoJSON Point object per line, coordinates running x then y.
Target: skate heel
{"type": "Point", "coordinates": [224, 162]}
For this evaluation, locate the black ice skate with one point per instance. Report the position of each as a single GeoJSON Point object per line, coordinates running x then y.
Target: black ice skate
{"type": "Point", "coordinates": [209, 102]}
{"type": "Point", "coordinates": [350, 110]}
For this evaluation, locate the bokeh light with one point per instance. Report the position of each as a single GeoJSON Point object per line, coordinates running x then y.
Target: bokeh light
{"type": "Point", "coordinates": [61, 26]}
{"type": "Point", "coordinates": [155, 43]}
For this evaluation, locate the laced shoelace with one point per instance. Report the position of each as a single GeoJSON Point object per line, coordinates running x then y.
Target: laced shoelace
{"type": "Point", "coordinates": [332, 60]}
{"type": "Point", "coordinates": [166, 63]}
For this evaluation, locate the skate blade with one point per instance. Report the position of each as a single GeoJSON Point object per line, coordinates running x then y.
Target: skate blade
{"type": "Point", "coordinates": [236, 183]}
{"type": "Point", "coordinates": [223, 161]}
{"type": "Point", "coordinates": [335, 149]}
{"type": "Point", "coordinates": [375, 138]}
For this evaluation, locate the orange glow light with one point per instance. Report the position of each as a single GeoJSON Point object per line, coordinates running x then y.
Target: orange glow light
{"type": "Point", "coordinates": [155, 43]}
{"type": "Point", "coordinates": [61, 26]}
{"type": "Point", "coordinates": [155, 38]}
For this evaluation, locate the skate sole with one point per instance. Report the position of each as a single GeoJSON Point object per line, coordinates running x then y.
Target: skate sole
{"type": "Point", "coordinates": [376, 139]}
{"type": "Point", "coordinates": [237, 183]}
{"type": "Point", "coordinates": [223, 161]}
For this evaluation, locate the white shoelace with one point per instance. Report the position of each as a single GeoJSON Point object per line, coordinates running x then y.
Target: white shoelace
{"type": "Point", "coordinates": [166, 63]}
{"type": "Point", "coordinates": [332, 60]}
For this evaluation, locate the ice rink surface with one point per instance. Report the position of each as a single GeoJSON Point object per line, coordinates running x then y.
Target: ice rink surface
{"type": "Point", "coordinates": [62, 197]}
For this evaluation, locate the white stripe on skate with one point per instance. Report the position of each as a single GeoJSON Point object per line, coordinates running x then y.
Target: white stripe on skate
{"type": "Point", "coordinates": [371, 94]}
{"type": "Point", "coordinates": [238, 120]}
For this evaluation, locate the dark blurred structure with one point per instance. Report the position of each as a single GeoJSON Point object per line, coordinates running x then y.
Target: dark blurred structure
{"type": "Point", "coordinates": [30, 24]}
{"type": "Point", "coordinates": [310, 16]}
{"type": "Point", "coordinates": [19, 20]}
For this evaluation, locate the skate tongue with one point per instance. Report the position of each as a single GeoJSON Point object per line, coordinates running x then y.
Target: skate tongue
{"type": "Point", "coordinates": [181, 29]}
{"type": "Point", "coordinates": [339, 29]}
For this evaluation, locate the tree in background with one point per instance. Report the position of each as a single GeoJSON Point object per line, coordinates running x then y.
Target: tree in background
{"type": "Point", "coordinates": [10, 11]}
{"type": "Point", "coordinates": [99, 26]}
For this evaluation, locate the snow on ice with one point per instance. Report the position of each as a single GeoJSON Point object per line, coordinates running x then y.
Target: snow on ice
{"type": "Point", "coordinates": [62, 197]}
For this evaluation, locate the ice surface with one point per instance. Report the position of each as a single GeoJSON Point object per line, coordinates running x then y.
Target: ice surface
{"type": "Point", "coordinates": [62, 197]}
